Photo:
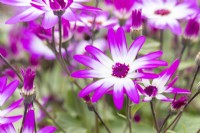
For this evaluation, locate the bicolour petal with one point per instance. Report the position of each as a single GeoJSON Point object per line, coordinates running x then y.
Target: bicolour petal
{"type": "Point", "coordinates": [47, 129]}
{"type": "Point", "coordinates": [177, 90]}
{"type": "Point", "coordinates": [101, 90]}
{"type": "Point", "coordinates": [16, 2]}
{"type": "Point", "coordinates": [175, 26]}
{"type": "Point", "coordinates": [29, 122]}
{"type": "Point", "coordinates": [172, 83]}
{"type": "Point", "coordinates": [151, 56]}
{"type": "Point", "coordinates": [8, 91]}
{"type": "Point", "coordinates": [69, 15]}
{"type": "Point", "coordinates": [84, 7]}
{"type": "Point", "coordinates": [7, 128]}
{"type": "Point", "coordinates": [118, 95]}
{"type": "Point", "coordinates": [28, 15]}
{"type": "Point", "coordinates": [99, 55]}
{"type": "Point", "coordinates": [87, 61]}
{"type": "Point", "coordinates": [90, 74]}
{"type": "Point", "coordinates": [49, 20]}
{"type": "Point", "coordinates": [134, 48]}
{"type": "Point", "coordinates": [11, 119]}
{"type": "Point", "coordinates": [131, 91]}
{"type": "Point", "coordinates": [163, 98]}
{"type": "Point", "coordinates": [3, 81]}
{"type": "Point", "coordinates": [142, 75]}
{"type": "Point", "coordinates": [11, 107]}
{"type": "Point", "coordinates": [91, 87]}
{"type": "Point", "coordinates": [147, 99]}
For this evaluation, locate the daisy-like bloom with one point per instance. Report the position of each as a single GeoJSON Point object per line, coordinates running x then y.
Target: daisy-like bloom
{"type": "Point", "coordinates": [158, 86]}
{"type": "Point", "coordinates": [101, 20]}
{"type": "Point", "coordinates": [162, 14]}
{"type": "Point", "coordinates": [51, 9]}
{"type": "Point", "coordinates": [118, 72]}
{"type": "Point", "coordinates": [28, 126]}
{"type": "Point", "coordinates": [192, 29]}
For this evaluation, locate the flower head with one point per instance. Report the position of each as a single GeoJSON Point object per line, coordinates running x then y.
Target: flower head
{"type": "Point", "coordinates": [162, 14]}
{"type": "Point", "coordinates": [177, 104]}
{"type": "Point", "coordinates": [118, 72]}
{"type": "Point", "coordinates": [157, 87]}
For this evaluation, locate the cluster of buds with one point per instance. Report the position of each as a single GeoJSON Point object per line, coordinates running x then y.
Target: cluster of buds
{"type": "Point", "coordinates": [28, 90]}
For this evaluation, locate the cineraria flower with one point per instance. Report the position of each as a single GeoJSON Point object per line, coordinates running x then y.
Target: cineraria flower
{"type": "Point", "coordinates": [162, 14]}
{"type": "Point", "coordinates": [50, 8]}
{"type": "Point", "coordinates": [158, 87]}
{"type": "Point", "coordinates": [28, 126]}
{"type": "Point", "coordinates": [178, 104]}
{"type": "Point", "coordinates": [192, 29]}
{"type": "Point", "coordinates": [101, 20]}
{"type": "Point", "coordinates": [118, 72]}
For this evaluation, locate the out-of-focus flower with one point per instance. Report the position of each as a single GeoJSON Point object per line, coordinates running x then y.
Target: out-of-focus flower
{"type": "Point", "coordinates": [50, 9]}
{"type": "Point", "coordinates": [192, 29]}
{"type": "Point", "coordinates": [158, 87]}
{"type": "Point", "coordinates": [28, 126]}
{"type": "Point", "coordinates": [178, 104]}
{"type": "Point", "coordinates": [101, 20]}
{"type": "Point", "coordinates": [163, 14]}
{"type": "Point", "coordinates": [118, 72]}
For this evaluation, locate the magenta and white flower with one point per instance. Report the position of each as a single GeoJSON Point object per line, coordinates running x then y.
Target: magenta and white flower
{"type": "Point", "coordinates": [162, 14]}
{"type": "Point", "coordinates": [51, 9]}
{"type": "Point", "coordinates": [158, 87]}
{"type": "Point", "coordinates": [117, 72]}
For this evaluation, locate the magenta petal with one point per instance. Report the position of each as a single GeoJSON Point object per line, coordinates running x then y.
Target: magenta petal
{"type": "Point", "coordinates": [151, 56]}
{"type": "Point", "coordinates": [172, 83]}
{"type": "Point", "coordinates": [47, 129]}
{"type": "Point", "coordinates": [7, 128]}
{"type": "Point", "coordinates": [87, 74]}
{"type": "Point", "coordinates": [178, 90]}
{"type": "Point", "coordinates": [121, 41]}
{"type": "Point", "coordinates": [118, 96]}
{"type": "Point", "coordinates": [11, 107]}
{"type": "Point", "coordinates": [11, 119]}
{"type": "Point", "coordinates": [131, 91]}
{"type": "Point", "coordinates": [69, 15]}
{"type": "Point", "coordinates": [8, 91]}
{"type": "Point", "coordinates": [49, 20]}
{"type": "Point", "coordinates": [28, 15]}
{"type": "Point", "coordinates": [29, 122]}
{"type": "Point", "coordinates": [140, 89]}
{"type": "Point", "coordinates": [175, 27]}
{"type": "Point", "coordinates": [91, 87]}
{"type": "Point", "coordinates": [3, 81]}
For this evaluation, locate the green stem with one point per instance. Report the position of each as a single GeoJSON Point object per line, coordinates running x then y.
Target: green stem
{"type": "Point", "coordinates": [195, 75]}
{"type": "Point", "coordinates": [154, 116]}
{"type": "Point", "coordinates": [128, 109]}
{"type": "Point", "coordinates": [161, 39]}
{"type": "Point", "coordinates": [165, 120]}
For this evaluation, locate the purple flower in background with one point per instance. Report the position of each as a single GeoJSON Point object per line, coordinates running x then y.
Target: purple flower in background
{"type": "Point", "coordinates": [50, 9]}
{"type": "Point", "coordinates": [158, 87]}
{"type": "Point", "coordinates": [117, 72]}
{"type": "Point", "coordinates": [177, 104]}
{"type": "Point", "coordinates": [192, 29]}
{"type": "Point", "coordinates": [28, 125]}
{"type": "Point", "coordinates": [162, 14]}
{"type": "Point", "coordinates": [137, 19]}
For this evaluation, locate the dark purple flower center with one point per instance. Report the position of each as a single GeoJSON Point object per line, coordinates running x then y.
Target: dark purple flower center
{"type": "Point", "coordinates": [151, 90]}
{"type": "Point", "coordinates": [162, 12]}
{"type": "Point", "coordinates": [120, 70]}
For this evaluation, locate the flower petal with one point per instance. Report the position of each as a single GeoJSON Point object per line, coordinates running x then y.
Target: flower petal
{"type": "Point", "coordinates": [177, 90]}
{"type": "Point", "coordinates": [3, 81]}
{"type": "Point", "coordinates": [90, 74]}
{"type": "Point", "coordinates": [49, 20]}
{"type": "Point", "coordinates": [163, 98]}
{"type": "Point", "coordinates": [11, 119]}
{"type": "Point", "coordinates": [7, 128]}
{"type": "Point", "coordinates": [118, 95]}
{"type": "Point", "coordinates": [69, 15]}
{"type": "Point", "coordinates": [16, 2]}
{"type": "Point", "coordinates": [29, 122]}
{"type": "Point", "coordinates": [175, 26]}
{"type": "Point", "coordinates": [47, 129]}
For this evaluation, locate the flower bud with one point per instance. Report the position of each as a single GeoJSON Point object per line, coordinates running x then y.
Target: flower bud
{"type": "Point", "coordinates": [197, 59]}
{"type": "Point", "coordinates": [136, 29]}
{"type": "Point", "coordinates": [192, 29]}
{"type": "Point", "coordinates": [178, 104]}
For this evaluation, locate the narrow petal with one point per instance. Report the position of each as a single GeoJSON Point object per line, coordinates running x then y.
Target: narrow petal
{"type": "Point", "coordinates": [177, 90]}
{"type": "Point", "coordinates": [69, 15]}
{"type": "Point", "coordinates": [29, 122]}
{"type": "Point", "coordinates": [90, 74]}
{"type": "Point", "coordinates": [49, 20]}
{"type": "Point", "coordinates": [151, 56]}
{"type": "Point", "coordinates": [87, 61]}
{"type": "Point", "coordinates": [99, 92]}
{"type": "Point", "coordinates": [172, 83]}
{"type": "Point", "coordinates": [47, 129]}
{"type": "Point", "coordinates": [175, 26]}
{"type": "Point", "coordinates": [142, 75]}
{"type": "Point", "coordinates": [7, 128]}
{"type": "Point", "coordinates": [91, 87]}
{"type": "Point", "coordinates": [11, 119]}
{"type": "Point", "coordinates": [118, 95]}
{"type": "Point", "coordinates": [141, 90]}
{"type": "Point", "coordinates": [11, 107]}
{"type": "Point", "coordinates": [134, 48]}
{"type": "Point", "coordinates": [3, 81]}
{"type": "Point", "coordinates": [147, 99]}
{"type": "Point", "coordinates": [163, 98]}
{"type": "Point", "coordinates": [8, 91]}
{"type": "Point", "coordinates": [28, 15]}
{"type": "Point", "coordinates": [131, 91]}
{"type": "Point", "coordinates": [99, 55]}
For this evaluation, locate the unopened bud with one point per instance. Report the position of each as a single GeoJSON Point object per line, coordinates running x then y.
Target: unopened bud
{"type": "Point", "coordinates": [136, 28]}
{"type": "Point", "coordinates": [177, 105]}
{"type": "Point", "coordinates": [197, 59]}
